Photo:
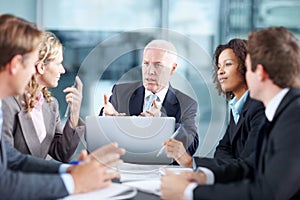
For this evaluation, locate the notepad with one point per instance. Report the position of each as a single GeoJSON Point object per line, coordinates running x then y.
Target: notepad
{"type": "Point", "coordinates": [114, 191]}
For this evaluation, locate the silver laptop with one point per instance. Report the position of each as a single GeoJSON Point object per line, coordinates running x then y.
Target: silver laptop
{"type": "Point", "coordinates": [142, 137]}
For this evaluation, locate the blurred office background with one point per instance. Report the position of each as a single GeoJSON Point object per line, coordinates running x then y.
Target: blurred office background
{"type": "Point", "coordinates": [103, 43]}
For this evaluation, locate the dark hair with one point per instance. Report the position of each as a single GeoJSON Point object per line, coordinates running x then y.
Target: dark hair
{"type": "Point", "coordinates": [278, 51]}
{"type": "Point", "coordinates": [17, 36]}
{"type": "Point", "coordinates": [239, 48]}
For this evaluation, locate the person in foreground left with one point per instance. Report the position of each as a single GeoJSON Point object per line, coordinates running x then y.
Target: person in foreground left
{"type": "Point", "coordinates": [31, 121]}
{"type": "Point", "coordinates": [26, 177]}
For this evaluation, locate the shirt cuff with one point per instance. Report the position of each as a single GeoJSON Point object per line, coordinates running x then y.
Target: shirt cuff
{"type": "Point", "coordinates": [210, 178]}
{"type": "Point", "coordinates": [63, 168]}
{"type": "Point", "coordinates": [194, 164]}
{"type": "Point", "coordinates": [69, 183]}
{"type": "Point", "coordinates": [188, 192]}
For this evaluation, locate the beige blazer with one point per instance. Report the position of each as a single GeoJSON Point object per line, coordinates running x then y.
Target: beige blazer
{"type": "Point", "coordinates": [60, 143]}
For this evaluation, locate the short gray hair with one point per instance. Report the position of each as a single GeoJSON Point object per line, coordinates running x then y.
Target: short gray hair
{"type": "Point", "coordinates": [164, 45]}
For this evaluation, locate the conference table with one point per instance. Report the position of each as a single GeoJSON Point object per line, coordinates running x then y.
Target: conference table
{"type": "Point", "coordinates": [150, 178]}
{"type": "Point", "coordinates": [136, 182]}
{"type": "Point", "coordinates": [145, 196]}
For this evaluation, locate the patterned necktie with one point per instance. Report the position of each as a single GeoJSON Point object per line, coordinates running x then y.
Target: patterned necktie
{"type": "Point", "coordinates": [149, 102]}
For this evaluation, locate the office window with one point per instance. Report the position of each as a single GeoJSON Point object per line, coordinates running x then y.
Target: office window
{"type": "Point", "coordinates": [199, 22]}
{"type": "Point", "coordinates": [122, 28]}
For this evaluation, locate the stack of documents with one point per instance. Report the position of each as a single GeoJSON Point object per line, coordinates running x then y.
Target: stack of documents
{"type": "Point", "coordinates": [114, 191]}
{"type": "Point", "coordinates": [149, 186]}
{"type": "Point", "coordinates": [176, 169]}
{"type": "Point", "coordinates": [146, 178]}
{"type": "Point", "coordinates": [135, 172]}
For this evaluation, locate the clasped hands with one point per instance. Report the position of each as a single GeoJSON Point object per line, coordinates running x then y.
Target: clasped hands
{"type": "Point", "coordinates": [109, 110]}
{"type": "Point", "coordinates": [96, 170]}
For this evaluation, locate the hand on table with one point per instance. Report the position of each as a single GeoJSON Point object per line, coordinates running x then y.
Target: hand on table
{"type": "Point", "coordinates": [95, 170]}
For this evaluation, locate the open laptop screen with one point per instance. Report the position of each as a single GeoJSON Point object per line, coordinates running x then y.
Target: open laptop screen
{"type": "Point", "coordinates": [142, 137]}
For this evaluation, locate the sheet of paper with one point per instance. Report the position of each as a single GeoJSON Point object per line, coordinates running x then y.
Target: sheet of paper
{"type": "Point", "coordinates": [114, 192]}
{"type": "Point", "coordinates": [149, 186]}
{"type": "Point", "coordinates": [124, 177]}
{"type": "Point", "coordinates": [138, 167]}
{"type": "Point", "coordinates": [134, 172]}
{"type": "Point", "coordinates": [174, 169]}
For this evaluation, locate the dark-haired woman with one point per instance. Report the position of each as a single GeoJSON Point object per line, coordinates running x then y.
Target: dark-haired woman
{"type": "Point", "coordinates": [246, 113]}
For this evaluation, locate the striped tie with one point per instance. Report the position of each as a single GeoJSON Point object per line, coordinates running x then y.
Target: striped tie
{"type": "Point", "coordinates": [149, 102]}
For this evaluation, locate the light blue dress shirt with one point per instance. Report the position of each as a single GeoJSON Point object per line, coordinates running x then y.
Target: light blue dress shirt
{"type": "Point", "coordinates": [67, 178]}
{"type": "Point", "coordinates": [149, 102]}
{"type": "Point", "coordinates": [237, 106]}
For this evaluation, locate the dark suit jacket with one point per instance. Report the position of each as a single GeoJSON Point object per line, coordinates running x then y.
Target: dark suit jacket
{"type": "Point", "coordinates": [239, 140]}
{"type": "Point", "coordinates": [20, 132]}
{"type": "Point", "coordinates": [129, 98]}
{"type": "Point", "coordinates": [277, 174]}
{"type": "Point", "coordinates": [15, 184]}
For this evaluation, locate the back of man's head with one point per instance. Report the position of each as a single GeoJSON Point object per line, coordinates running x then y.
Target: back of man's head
{"type": "Point", "coordinates": [278, 51]}
{"type": "Point", "coordinates": [17, 36]}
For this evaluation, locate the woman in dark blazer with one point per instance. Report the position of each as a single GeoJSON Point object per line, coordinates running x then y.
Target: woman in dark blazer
{"type": "Point", "coordinates": [246, 113]}
{"type": "Point", "coordinates": [32, 122]}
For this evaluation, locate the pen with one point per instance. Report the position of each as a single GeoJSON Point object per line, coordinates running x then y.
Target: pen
{"type": "Point", "coordinates": [172, 136]}
{"type": "Point", "coordinates": [68, 107]}
{"type": "Point", "coordinates": [75, 162]}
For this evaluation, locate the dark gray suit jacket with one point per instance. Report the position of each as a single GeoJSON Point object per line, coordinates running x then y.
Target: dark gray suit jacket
{"type": "Point", "coordinates": [276, 174]}
{"type": "Point", "coordinates": [239, 140]}
{"type": "Point", "coordinates": [129, 98]}
{"type": "Point", "coordinates": [20, 132]}
{"type": "Point", "coordinates": [41, 180]}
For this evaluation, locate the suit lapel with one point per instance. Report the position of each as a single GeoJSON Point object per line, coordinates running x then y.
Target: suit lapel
{"type": "Point", "coordinates": [290, 96]}
{"type": "Point", "coordinates": [170, 106]}
{"type": "Point", "coordinates": [241, 119]}
{"type": "Point", "coordinates": [136, 101]}
{"type": "Point", "coordinates": [49, 121]}
{"type": "Point", "coordinates": [29, 133]}
{"type": "Point", "coordinates": [262, 144]}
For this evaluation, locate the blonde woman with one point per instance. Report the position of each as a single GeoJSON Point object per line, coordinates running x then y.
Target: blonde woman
{"type": "Point", "coordinates": [32, 122]}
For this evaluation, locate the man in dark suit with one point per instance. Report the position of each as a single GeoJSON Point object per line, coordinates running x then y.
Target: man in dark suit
{"type": "Point", "coordinates": [159, 64]}
{"type": "Point", "coordinates": [273, 71]}
{"type": "Point", "coordinates": [23, 176]}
